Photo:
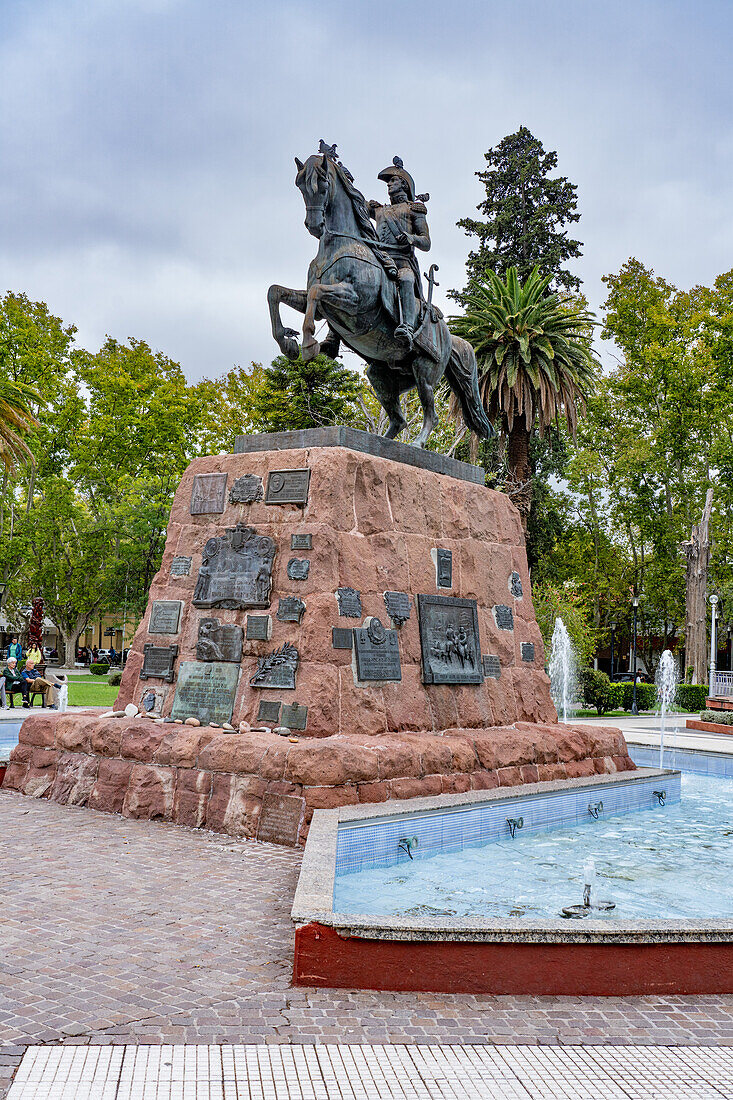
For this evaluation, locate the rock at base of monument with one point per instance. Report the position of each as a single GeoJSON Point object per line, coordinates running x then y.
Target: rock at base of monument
{"type": "Point", "coordinates": [205, 690]}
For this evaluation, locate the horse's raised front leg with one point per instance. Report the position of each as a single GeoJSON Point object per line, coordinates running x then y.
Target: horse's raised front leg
{"type": "Point", "coordinates": [286, 338]}
{"type": "Point", "coordinates": [424, 370]}
{"type": "Point", "coordinates": [341, 296]}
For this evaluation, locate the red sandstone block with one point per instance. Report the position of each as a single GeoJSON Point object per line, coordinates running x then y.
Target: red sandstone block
{"type": "Point", "coordinates": [373, 792]}
{"type": "Point", "coordinates": [483, 780]}
{"type": "Point", "coordinates": [236, 753]}
{"type": "Point", "coordinates": [331, 762]}
{"type": "Point", "coordinates": [530, 773]}
{"type": "Point", "coordinates": [416, 788]}
{"type": "Point", "coordinates": [105, 737]}
{"type": "Point", "coordinates": [397, 757]}
{"type": "Point", "coordinates": [108, 793]}
{"type": "Point", "coordinates": [456, 783]}
{"type": "Point", "coordinates": [76, 774]}
{"type": "Point", "coordinates": [193, 788]}
{"type": "Point", "coordinates": [39, 730]}
{"type": "Point", "coordinates": [549, 773]}
{"type": "Point", "coordinates": [15, 777]}
{"type": "Point", "coordinates": [328, 798]}
{"type": "Point", "coordinates": [141, 739]}
{"type": "Point", "coordinates": [181, 748]}
{"type": "Point", "coordinates": [576, 768]}
{"type": "Point", "coordinates": [150, 793]}
{"type": "Point", "coordinates": [510, 777]}
{"type": "Point", "coordinates": [624, 763]}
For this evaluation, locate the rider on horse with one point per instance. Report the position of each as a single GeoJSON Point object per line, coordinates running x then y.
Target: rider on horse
{"type": "Point", "coordinates": [402, 227]}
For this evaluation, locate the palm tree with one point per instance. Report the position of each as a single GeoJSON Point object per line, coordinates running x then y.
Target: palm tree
{"type": "Point", "coordinates": [535, 363]}
{"type": "Point", "coordinates": [16, 419]}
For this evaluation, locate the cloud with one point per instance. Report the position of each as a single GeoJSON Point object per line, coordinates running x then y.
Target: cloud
{"type": "Point", "coordinates": [148, 184]}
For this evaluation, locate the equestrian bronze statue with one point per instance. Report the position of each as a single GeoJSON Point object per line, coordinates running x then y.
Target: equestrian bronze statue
{"type": "Point", "coordinates": [365, 283]}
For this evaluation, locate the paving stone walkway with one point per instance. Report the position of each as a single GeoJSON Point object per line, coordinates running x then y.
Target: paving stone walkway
{"type": "Point", "coordinates": [123, 932]}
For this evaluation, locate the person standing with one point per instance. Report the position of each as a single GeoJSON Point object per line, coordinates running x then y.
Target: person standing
{"type": "Point", "coordinates": [15, 649]}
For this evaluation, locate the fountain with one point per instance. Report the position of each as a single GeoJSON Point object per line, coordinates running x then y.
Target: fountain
{"type": "Point", "coordinates": [666, 692]}
{"type": "Point", "coordinates": [562, 669]}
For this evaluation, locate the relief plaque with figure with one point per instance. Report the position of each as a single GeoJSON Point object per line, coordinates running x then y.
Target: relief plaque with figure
{"type": "Point", "coordinates": [449, 638]}
{"type": "Point", "coordinates": [236, 570]}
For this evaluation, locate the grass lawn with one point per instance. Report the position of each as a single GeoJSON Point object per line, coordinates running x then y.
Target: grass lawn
{"type": "Point", "coordinates": [91, 691]}
{"type": "Point", "coordinates": [592, 713]}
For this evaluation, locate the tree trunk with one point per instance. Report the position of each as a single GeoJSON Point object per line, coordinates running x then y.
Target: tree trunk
{"type": "Point", "coordinates": [697, 552]}
{"type": "Point", "coordinates": [519, 481]}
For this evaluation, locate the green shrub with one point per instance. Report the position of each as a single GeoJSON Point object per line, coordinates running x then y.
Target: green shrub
{"type": "Point", "coordinates": [691, 697]}
{"type": "Point", "coordinates": [616, 692]}
{"type": "Point", "coordinates": [722, 717]}
{"type": "Point", "coordinates": [596, 689]}
{"type": "Point", "coordinates": [99, 669]}
{"type": "Point", "coordinates": [115, 677]}
{"type": "Point", "coordinates": [646, 696]}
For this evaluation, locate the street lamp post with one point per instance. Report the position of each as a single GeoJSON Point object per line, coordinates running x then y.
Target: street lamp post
{"type": "Point", "coordinates": [713, 643]}
{"type": "Point", "coordinates": [613, 638]}
{"type": "Point", "coordinates": [635, 603]}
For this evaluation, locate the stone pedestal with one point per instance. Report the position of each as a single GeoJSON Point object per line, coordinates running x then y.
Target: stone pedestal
{"type": "Point", "coordinates": [373, 598]}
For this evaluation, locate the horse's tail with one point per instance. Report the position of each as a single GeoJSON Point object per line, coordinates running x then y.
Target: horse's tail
{"type": "Point", "coordinates": [462, 377]}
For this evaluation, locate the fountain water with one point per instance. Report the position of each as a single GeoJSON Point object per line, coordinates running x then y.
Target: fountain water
{"type": "Point", "coordinates": [562, 669]}
{"type": "Point", "coordinates": [666, 692]}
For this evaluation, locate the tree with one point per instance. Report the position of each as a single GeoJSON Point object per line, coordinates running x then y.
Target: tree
{"type": "Point", "coordinates": [524, 215]}
{"type": "Point", "coordinates": [535, 363]}
{"type": "Point", "coordinates": [295, 395]}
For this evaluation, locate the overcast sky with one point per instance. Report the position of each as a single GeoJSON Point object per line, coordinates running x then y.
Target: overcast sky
{"type": "Point", "coordinates": [148, 179]}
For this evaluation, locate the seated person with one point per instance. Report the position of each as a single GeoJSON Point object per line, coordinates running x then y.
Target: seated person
{"type": "Point", "coordinates": [33, 678]}
{"type": "Point", "coordinates": [14, 681]}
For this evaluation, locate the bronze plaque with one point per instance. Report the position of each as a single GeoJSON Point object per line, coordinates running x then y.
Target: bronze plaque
{"type": "Point", "coordinates": [504, 616]}
{"type": "Point", "coordinates": [528, 652]}
{"type": "Point", "coordinates": [246, 489]}
{"type": "Point", "coordinates": [165, 617]}
{"type": "Point", "coordinates": [258, 628]}
{"type": "Point", "coordinates": [342, 637]}
{"type": "Point", "coordinates": [294, 716]}
{"type": "Point", "coordinates": [181, 567]}
{"type": "Point", "coordinates": [492, 666]}
{"type": "Point", "coordinates": [377, 652]}
{"type": "Point", "coordinates": [209, 493]}
{"type": "Point", "coordinates": [236, 570]}
{"type": "Point", "coordinates": [288, 486]}
{"type": "Point", "coordinates": [449, 638]}
{"type": "Point", "coordinates": [280, 819]}
{"type": "Point", "coordinates": [349, 601]}
{"type": "Point", "coordinates": [290, 609]}
{"type": "Point", "coordinates": [205, 690]}
{"type": "Point", "coordinates": [277, 669]}
{"type": "Point", "coordinates": [269, 710]}
{"type": "Point", "coordinates": [158, 661]}
{"type": "Point", "coordinates": [398, 607]}
{"type": "Point", "coordinates": [301, 542]}
{"type": "Point", "coordinates": [515, 586]}
{"type": "Point", "coordinates": [445, 568]}
{"type": "Point", "coordinates": [219, 641]}
{"type": "Point", "coordinates": [298, 569]}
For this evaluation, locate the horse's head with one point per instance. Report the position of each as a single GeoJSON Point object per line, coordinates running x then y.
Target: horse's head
{"type": "Point", "coordinates": [313, 180]}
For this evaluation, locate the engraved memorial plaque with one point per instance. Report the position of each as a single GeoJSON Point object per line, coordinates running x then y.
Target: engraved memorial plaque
{"type": "Point", "coordinates": [181, 567]}
{"type": "Point", "coordinates": [377, 652]}
{"type": "Point", "coordinates": [492, 666]}
{"type": "Point", "coordinates": [277, 669]}
{"type": "Point", "coordinates": [504, 617]}
{"type": "Point", "coordinates": [208, 494]}
{"type": "Point", "coordinates": [398, 607]}
{"type": "Point", "coordinates": [349, 601]}
{"type": "Point", "coordinates": [205, 690]}
{"type": "Point", "coordinates": [298, 569]}
{"type": "Point", "coordinates": [219, 641]}
{"type": "Point", "coordinates": [165, 617]}
{"type": "Point", "coordinates": [528, 652]}
{"type": "Point", "coordinates": [515, 586]}
{"type": "Point", "coordinates": [301, 542]}
{"type": "Point", "coordinates": [158, 661]}
{"type": "Point", "coordinates": [449, 638]}
{"type": "Point", "coordinates": [445, 568]}
{"type": "Point", "coordinates": [294, 716]}
{"type": "Point", "coordinates": [288, 486]}
{"type": "Point", "coordinates": [236, 570]}
{"type": "Point", "coordinates": [258, 628]}
{"type": "Point", "coordinates": [269, 711]}
{"type": "Point", "coordinates": [342, 637]}
{"type": "Point", "coordinates": [280, 819]}
{"type": "Point", "coordinates": [290, 609]}
{"type": "Point", "coordinates": [246, 489]}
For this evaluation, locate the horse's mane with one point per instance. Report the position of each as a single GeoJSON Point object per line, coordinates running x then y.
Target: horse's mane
{"type": "Point", "coordinates": [358, 201]}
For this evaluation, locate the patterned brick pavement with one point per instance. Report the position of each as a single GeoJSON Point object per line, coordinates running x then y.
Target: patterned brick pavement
{"type": "Point", "coordinates": [119, 931]}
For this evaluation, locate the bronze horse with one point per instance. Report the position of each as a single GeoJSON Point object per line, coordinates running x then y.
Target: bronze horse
{"type": "Point", "coordinates": [348, 286]}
